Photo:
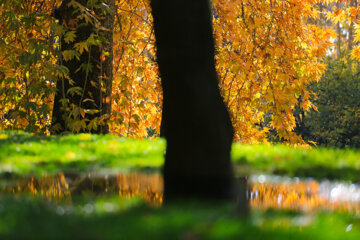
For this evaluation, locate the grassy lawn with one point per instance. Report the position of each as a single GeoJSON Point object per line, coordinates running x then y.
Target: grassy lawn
{"type": "Point", "coordinates": [21, 153]}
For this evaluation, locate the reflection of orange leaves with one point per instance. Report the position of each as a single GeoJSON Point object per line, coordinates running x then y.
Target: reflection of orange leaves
{"type": "Point", "coordinates": [54, 188]}
{"type": "Point", "coordinates": [148, 187]}
{"type": "Point", "coordinates": [303, 196]}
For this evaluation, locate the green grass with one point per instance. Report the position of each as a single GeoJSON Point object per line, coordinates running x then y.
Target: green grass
{"type": "Point", "coordinates": [22, 153]}
{"type": "Point", "coordinates": [318, 163]}
{"type": "Point", "coordinates": [94, 217]}
{"type": "Point", "coordinates": [25, 218]}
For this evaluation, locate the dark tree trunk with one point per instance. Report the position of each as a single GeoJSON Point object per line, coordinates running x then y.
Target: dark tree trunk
{"type": "Point", "coordinates": [195, 121]}
{"type": "Point", "coordinates": [96, 84]}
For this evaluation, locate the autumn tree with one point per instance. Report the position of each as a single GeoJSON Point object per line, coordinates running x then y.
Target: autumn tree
{"type": "Point", "coordinates": [83, 99]}
{"type": "Point", "coordinates": [136, 95]}
{"type": "Point", "coordinates": [267, 53]}
{"type": "Point", "coordinates": [28, 66]}
{"type": "Point", "coordinates": [196, 123]}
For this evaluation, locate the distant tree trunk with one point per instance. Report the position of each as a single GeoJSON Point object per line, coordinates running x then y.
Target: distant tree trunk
{"type": "Point", "coordinates": [338, 33]}
{"type": "Point", "coordinates": [95, 85]}
{"type": "Point", "coordinates": [195, 121]}
{"type": "Point", "coordinates": [353, 3]}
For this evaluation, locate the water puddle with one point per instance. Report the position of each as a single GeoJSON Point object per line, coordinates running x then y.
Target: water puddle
{"type": "Point", "coordinates": [303, 195]}
{"type": "Point", "coordinates": [263, 191]}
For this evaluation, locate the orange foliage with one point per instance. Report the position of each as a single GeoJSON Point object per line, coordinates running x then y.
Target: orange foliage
{"type": "Point", "coordinates": [136, 93]}
{"type": "Point", "coordinates": [267, 54]}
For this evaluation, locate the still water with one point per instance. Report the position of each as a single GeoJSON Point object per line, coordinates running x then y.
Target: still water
{"type": "Point", "coordinates": [263, 191]}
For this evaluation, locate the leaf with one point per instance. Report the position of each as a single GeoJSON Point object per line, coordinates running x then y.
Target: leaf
{"type": "Point", "coordinates": [75, 90]}
{"type": "Point", "coordinates": [70, 36]}
{"type": "Point", "coordinates": [70, 54]}
{"type": "Point", "coordinates": [81, 47]}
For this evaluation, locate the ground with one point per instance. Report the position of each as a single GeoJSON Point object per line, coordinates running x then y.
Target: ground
{"type": "Point", "coordinates": [51, 209]}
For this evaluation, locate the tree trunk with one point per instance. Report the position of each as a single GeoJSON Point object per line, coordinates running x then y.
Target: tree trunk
{"type": "Point", "coordinates": [353, 3]}
{"type": "Point", "coordinates": [195, 121]}
{"type": "Point", "coordinates": [338, 33]}
{"type": "Point", "coordinates": [94, 98]}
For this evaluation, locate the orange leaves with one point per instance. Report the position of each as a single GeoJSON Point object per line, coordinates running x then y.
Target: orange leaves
{"type": "Point", "coordinates": [136, 89]}
{"type": "Point", "coordinates": [267, 55]}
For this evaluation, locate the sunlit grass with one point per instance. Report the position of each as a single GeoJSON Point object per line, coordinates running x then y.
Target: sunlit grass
{"type": "Point", "coordinates": [22, 153]}
{"type": "Point", "coordinates": [319, 163]}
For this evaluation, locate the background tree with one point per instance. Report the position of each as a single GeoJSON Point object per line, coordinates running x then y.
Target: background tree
{"type": "Point", "coordinates": [83, 99]}
{"type": "Point", "coordinates": [196, 123]}
{"type": "Point", "coordinates": [337, 122]}
{"type": "Point", "coordinates": [28, 68]}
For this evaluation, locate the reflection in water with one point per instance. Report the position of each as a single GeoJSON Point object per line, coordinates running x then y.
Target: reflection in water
{"type": "Point", "coordinates": [61, 188]}
{"type": "Point", "coordinates": [264, 191]}
{"type": "Point", "coordinates": [54, 188]}
{"type": "Point", "coordinates": [148, 187]}
{"type": "Point", "coordinates": [285, 193]}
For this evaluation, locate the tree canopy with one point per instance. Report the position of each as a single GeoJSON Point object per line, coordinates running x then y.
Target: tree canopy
{"type": "Point", "coordinates": [267, 53]}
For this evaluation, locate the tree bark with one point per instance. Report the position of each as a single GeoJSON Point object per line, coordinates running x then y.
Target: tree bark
{"type": "Point", "coordinates": [353, 3]}
{"type": "Point", "coordinates": [338, 33]}
{"type": "Point", "coordinates": [195, 121]}
{"type": "Point", "coordinates": [96, 84]}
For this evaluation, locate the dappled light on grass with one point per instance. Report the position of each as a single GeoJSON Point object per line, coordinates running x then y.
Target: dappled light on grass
{"type": "Point", "coordinates": [265, 192]}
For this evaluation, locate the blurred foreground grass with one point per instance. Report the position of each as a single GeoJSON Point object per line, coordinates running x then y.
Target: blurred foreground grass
{"type": "Point", "coordinates": [21, 153]}
{"type": "Point", "coordinates": [24, 218]}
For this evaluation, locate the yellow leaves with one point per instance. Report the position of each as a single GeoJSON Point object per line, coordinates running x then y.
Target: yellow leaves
{"type": "Point", "coordinates": [81, 46]}
{"type": "Point", "coordinates": [70, 36]}
{"type": "Point", "coordinates": [353, 12]}
{"type": "Point", "coordinates": [70, 54]}
{"type": "Point", "coordinates": [85, 136]}
{"type": "Point", "coordinates": [273, 55]}
{"type": "Point", "coordinates": [355, 54]}
{"type": "Point", "coordinates": [337, 16]}
{"type": "Point", "coordinates": [3, 136]}
{"type": "Point", "coordinates": [266, 55]}
{"type": "Point", "coordinates": [357, 32]}
{"type": "Point", "coordinates": [136, 98]}
{"type": "Point", "coordinates": [70, 155]}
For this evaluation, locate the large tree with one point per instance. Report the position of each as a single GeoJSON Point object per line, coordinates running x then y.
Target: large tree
{"type": "Point", "coordinates": [195, 121]}
{"type": "Point", "coordinates": [82, 102]}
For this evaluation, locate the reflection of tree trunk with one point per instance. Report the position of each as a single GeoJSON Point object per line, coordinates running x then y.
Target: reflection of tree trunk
{"type": "Point", "coordinates": [242, 197]}
{"type": "Point", "coordinates": [196, 124]}
{"type": "Point", "coordinates": [96, 84]}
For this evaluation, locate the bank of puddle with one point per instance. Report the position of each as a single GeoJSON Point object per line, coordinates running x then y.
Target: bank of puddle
{"type": "Point", "coordinates": [264, 191]}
